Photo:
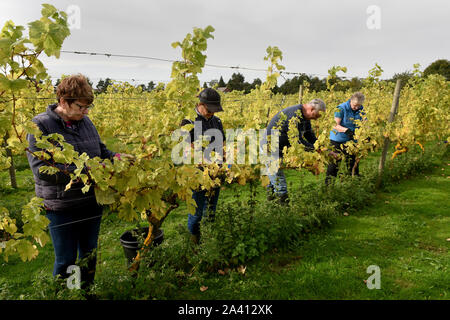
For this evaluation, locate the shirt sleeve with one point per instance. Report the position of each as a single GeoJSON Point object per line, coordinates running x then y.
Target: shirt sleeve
{"type": "Point", "coordinates": [339, 113]}
{"type": "Point", "coordinates": [105, 152]}
{"type": "Point", "coordinates": [307, 137]}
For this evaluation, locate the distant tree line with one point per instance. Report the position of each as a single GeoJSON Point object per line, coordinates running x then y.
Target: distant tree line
{"type": "Point", "coordinates": [291, 86]}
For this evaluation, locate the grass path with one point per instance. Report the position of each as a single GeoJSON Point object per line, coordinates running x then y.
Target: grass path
{"type": "Point", "coordinates": [404, 232]}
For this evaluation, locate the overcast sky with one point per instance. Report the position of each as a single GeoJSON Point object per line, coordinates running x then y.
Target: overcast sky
{"type": "Point", "coordinates": [313, 35]}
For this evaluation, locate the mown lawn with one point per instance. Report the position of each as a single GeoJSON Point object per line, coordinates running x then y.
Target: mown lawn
{"type": "Point", "coordinates": [404, 232]}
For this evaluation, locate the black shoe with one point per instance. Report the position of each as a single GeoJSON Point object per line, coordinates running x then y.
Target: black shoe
{"type": "Point", "coordinates": [283, 199]}
{"type": "Point", "coordinates": [195, 238]}
{"type": "Point", "coordinates": [270, 194]}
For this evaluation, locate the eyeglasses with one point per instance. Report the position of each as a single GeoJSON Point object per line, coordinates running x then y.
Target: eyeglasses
{"type": "Point", "coordinates": [89, 107]}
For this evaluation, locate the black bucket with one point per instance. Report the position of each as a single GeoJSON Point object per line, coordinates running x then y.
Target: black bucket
{"type": "Point", "coordinates": [130, 243]}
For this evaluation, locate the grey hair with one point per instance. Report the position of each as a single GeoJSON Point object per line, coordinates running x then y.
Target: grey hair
{"type": "Point", "coordinates": [318, 104]}
{"type": "Point", "coordinates": [358, 97]}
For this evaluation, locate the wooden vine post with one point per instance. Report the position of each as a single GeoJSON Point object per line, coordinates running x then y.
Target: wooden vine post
{"type": "Point", "coordinates": [394, 109]}
{"type": "Point", "coordinates": [300, 94]}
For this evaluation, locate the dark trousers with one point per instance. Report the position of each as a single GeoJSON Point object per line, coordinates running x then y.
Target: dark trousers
{"type": "Point", "coordinates": [205, 205]}
{"type": "Point", "coordinates": [350, 160]}
{"type": "Point", "coordinates": [73, 233]}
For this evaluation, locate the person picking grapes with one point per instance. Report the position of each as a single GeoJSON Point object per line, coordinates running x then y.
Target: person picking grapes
{"type": "Point", "coordinates": [277, 188]}
{"type": "Point", "coordinates": [343, 132]}
{"type": "Point", "coordinates": [206, 123]}
{"type": "Point", "coordinates": [74, 216]}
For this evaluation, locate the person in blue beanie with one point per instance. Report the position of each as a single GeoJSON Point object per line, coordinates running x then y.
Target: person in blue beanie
{"type": "Point", "coordinates": [343, 132]}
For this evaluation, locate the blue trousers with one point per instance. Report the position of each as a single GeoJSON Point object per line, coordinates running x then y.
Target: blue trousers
{"type": "Point", "coordinates": [204, 205]}
{"type": "Point", "coordinates": [277, 183]}
{"type": "Point", "coordinates": [73, 233]}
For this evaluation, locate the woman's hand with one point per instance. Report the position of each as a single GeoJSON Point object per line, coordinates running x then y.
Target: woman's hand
{"type": "Point", "coordinates": [339, 128]}
{"type": "Point", "coordinates": [127, 156]}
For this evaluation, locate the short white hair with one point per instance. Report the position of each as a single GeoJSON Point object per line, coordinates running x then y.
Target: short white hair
{"type": "Point", "coordinates": [318, 104]}
{"type": "Point", "coordinates": [358, 97]}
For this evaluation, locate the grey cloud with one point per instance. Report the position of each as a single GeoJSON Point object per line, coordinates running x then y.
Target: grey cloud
{"type": "Point", "coordinates": [313, 35]}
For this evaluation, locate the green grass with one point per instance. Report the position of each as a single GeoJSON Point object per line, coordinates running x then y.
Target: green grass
{"type": "Point", "coordinates": [403, 231]}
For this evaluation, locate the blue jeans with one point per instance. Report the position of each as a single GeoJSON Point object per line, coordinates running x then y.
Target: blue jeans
{"type": "Point", "coordinates": [204, 204]}
{"type": "Point", "coordinates": [277, 183]}
{"type": "Point", "coordinates": [277, 180]}
{"type": "Point", "coordinates": [72, 232]}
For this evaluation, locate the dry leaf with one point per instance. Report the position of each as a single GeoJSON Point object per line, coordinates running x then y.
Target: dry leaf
{"type": "Point", "coordinates": [221, 272]}
{"type": "Point", "coordinates": [346, 214]}
{"type": "Point", "coordinates": [203, 288]}
{"type": "Point", "coordinates": [242, 269]}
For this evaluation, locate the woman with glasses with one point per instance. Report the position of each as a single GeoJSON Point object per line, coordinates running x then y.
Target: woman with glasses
{"type": "Point", "coordinates": [74, 216]}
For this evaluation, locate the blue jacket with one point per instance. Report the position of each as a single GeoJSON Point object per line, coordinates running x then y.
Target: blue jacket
{"type": "Point", "coordinates": [347, 116]}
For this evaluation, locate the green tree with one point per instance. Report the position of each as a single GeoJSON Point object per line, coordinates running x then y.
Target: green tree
{"type": "Point", "coordinates": [213, 83]}
{"type": "Point", "coordinates": [317, 84]}
{"type": "Point", "coordinates": [102, 85]}
{"type": "Point", "coordinates": [355, 84]}
{"type": "Point", "coordinates": [150, 86]}
{"type": "Point", "coordinates": [221, 83]}
{"type": "Point", "coordinates": [90, 82]}
{"type": "Point", "coordinates": [404, 77]}
{"type": "Point", "coordinates": [441, 66]}
{"type": "Point", "coordinates": [256, 82]}
{"type": "Point", "coordinates": [236, 82]}
{"type": "Point", "coordinates": [291, 86]}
